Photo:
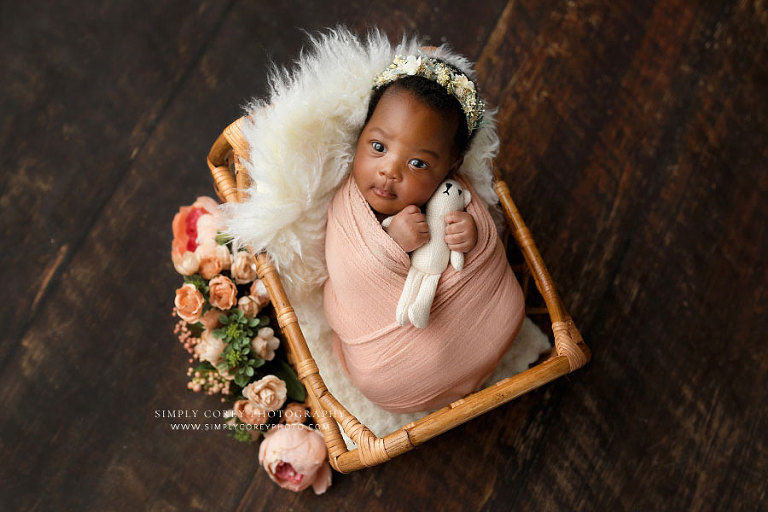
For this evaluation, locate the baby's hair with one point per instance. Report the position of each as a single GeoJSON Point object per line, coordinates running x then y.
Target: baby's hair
{"type": "Point", "coordinates": [433, 95]}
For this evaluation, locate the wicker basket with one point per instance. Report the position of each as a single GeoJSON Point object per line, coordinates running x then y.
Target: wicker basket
{"type": "Point", "coordinates": [569, 354]}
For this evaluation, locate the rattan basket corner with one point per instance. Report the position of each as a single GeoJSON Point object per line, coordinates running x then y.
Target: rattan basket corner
{"type": "Point", "coordinates": [569, 354]}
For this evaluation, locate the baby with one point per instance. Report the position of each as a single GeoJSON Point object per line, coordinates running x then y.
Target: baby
{"type": "Point", "coordinates": [414, 137]}
{"type": "Point", "coordinates": [421, 117]}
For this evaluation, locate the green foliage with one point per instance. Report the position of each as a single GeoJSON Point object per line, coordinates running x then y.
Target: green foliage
{"type": "Point", "coordinates": [223, 238]}
{"type": "Point", "coordinates": [294, 386]}
{"type": "Point", "coordinates": [236, 332]}
{"type": "Point", "coordinates": [200, 283]}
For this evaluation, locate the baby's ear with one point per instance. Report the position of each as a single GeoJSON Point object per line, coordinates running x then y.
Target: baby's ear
{"type": "Point", "coordinates": [455, 166]}
{"type": "Point", "coordinates": [467, 198]}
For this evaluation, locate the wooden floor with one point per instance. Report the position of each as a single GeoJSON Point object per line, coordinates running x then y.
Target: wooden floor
{"type": "Point", "coordinates": [634, 142]}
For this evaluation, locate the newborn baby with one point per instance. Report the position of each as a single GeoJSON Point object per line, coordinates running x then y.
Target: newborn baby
{"type": "Point", "coordinates": [421, 117]}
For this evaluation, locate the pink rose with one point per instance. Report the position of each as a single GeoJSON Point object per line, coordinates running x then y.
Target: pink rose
{"type": "Point", "coordinates": [189, 303]}
{"type": "Point", "coordinates": [265, 343]}
{"type": "Point", "coordinates": [259, 291]}
{"type": "Point", "coordinates": [250, 413]}
{"type": "Point", "coordinates": [249, 306]}
{"type": "Point", "coordinates": [294, 414]}
{"type": "Point", "coordinates": [210, 319]}
{"type": "Point", "coordinates": [209, 348]}
{"type": "Point", "coordinates": [187, 264]}
{"type": "Point", "coordinates": [244, 267]}
{"type": "Point", "coordinates": [268, 393]}
{"type": "Point", "coordinates": [295, 457]}
{"type": "Point", "coordinates": [193, 225]}
{"type": "Point", "coordinates": [209, 266]}
{"type": "Point", "coordinates": [222, 292]}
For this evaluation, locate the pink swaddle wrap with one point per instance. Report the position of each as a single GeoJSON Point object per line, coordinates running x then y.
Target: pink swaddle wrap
{"type": "Point", "coordinates": [475, 315]}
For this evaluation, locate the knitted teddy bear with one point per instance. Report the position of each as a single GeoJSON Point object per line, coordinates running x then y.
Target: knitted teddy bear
{"type": "Point", "coordinates": [430, 260]}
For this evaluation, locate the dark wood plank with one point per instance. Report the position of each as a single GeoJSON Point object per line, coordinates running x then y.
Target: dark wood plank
{"type": "Point", "coordinates": [83, 89]}
{"type": "Point", "coordinates": [637, 154]}
{"type": "Point", "coordinates": [635, 146]}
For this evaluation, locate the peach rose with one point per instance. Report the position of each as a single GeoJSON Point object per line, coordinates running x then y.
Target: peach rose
{"type": "Point", "coordinates": [189, 303]}
{"type": "Point", "coordinates": [249, 413]}
{"type": "Point", "coordinates": [249, 306]}
{"type": "Point", "coordinates": [186, 264]}
{"type": "Point", "coordinates": [209, 266]}
{"type": "Point", "coordinates": [294, 414]}
{"type": "Point", "coordinates": [222, 292]}
{"type": "Point", "coordinates": [244, 267]}
{"type": "Point", "coordinates": [210, 319]}
{"type": "Point", "coordinates": [259, 291]}
{"type": "Point", "coordinates": [268, 393]}
{"type": "Point", "coordinates": [209, 348]}
{"type": "Point", "coordinates": [265, 343]}
{"type": "Point", "coordinates": [295, 457]}
{"type": "Point", "coordinates": [194, 224]}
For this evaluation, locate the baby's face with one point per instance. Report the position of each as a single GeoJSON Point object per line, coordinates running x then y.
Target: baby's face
{"type": "Point", "coordinates": [403, 153]}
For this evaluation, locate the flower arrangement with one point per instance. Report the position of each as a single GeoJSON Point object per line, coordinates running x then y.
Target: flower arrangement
{"type": "Point", "coordinates": [224, 323]}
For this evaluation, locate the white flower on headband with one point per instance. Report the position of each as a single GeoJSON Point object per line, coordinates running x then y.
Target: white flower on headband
{"type": "Point", "coordinates": [463, 86]}
{"type": "Point", "coordinates": [411, 65]}
{"type": "Point", "coordinates": [454, 82]}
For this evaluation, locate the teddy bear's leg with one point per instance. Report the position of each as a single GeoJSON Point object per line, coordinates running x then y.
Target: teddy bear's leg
{"type": "Point", "coordinates": [419, 310]}
{"type": "Point", "coordinates": [408, 295]}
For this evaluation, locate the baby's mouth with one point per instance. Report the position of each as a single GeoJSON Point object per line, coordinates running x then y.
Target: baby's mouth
{"type": "Point", "coordinates": [383, 192]}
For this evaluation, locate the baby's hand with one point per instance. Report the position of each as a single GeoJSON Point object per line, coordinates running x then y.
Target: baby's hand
{"type": "Point", "coordinates": [409, 228]}
{"type": "Point", "coordinates": [460, 231]}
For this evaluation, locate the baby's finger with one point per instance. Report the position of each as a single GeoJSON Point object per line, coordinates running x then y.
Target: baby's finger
{"type": "Point", "coordinates": [410, 209]}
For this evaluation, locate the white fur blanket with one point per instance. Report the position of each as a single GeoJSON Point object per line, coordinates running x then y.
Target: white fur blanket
{"type": "Point", "coordinates": [301, 149]}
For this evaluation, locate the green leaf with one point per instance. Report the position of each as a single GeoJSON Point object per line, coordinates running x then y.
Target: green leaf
{"type": "Point", "coordinates": [253, 322]}
{"type": "Point", "coordinates": [241, 380]}
{"type": "Point", "coordinates": [219, 333]}
{"type": "Point", "coordinates": [223, 238]}
{"type": "Point", "coordinates": [249, 371]}
{"type": "Point", "coordinates": [257, 362]}
{"type": "Point", "coordinates": [223, 319]}
{"type": "Point", "coordinates": [294, 386]}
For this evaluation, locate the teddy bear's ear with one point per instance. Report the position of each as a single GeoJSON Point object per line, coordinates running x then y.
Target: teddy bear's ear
{"type": "Point", "coordinates": [467, 198]}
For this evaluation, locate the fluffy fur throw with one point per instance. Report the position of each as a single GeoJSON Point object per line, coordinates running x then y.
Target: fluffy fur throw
{"type": "Point", "coordinates": [302, 140]}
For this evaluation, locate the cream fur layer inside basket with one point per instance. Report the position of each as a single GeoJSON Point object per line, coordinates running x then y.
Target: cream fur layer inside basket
{"type": "Point", "coordinates": [302, 140]}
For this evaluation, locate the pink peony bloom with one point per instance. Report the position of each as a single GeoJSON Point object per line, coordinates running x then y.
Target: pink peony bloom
{"type": "Point", "coordinates": [295, 457]}
{"type": "Point", "coordinates": [194, 225]}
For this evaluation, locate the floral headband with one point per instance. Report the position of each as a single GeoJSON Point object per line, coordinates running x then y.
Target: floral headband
{"type": "Point", "coordinates": [456, 83]}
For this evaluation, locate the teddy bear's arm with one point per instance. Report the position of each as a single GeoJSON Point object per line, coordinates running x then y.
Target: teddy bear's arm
{"type": "Point", "coordinates": [457, 260]}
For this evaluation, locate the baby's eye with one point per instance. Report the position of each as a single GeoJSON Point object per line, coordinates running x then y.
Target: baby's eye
{"type": "Point", "coordinates": [419, 164]}
{"type": "Point", "coordinates": [378, 147]}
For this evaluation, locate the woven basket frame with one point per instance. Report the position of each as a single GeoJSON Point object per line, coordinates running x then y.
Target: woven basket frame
{"type": "Point", "coordinates": [569, 353]}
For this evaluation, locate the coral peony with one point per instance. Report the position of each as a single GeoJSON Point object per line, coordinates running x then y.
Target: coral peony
{"type": "Point", "coordinates": [295, 457]}
{"type": "Point", "coordinates": [193, 225]}
{"type": "Point", "coordinates": [189, 303]}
